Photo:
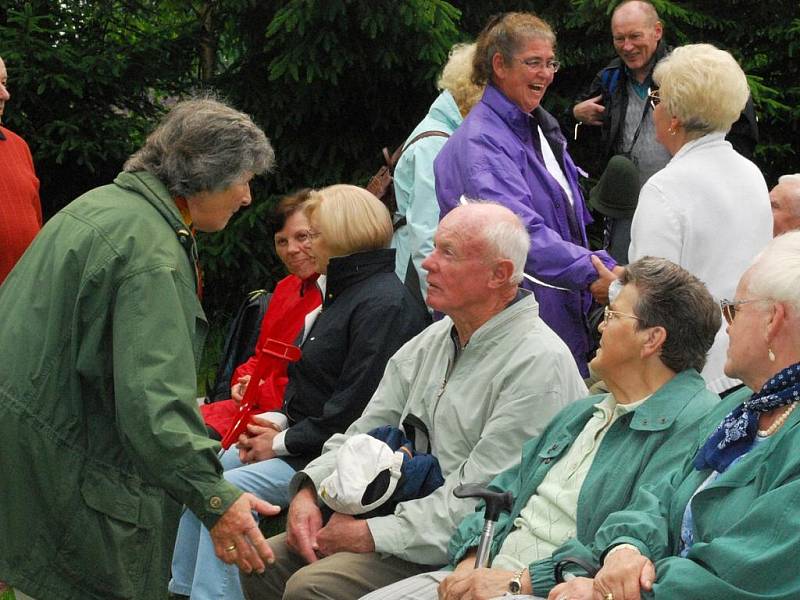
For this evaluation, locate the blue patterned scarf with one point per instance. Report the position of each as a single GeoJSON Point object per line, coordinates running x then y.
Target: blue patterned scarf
{"type": "Point", "coordinates": [736, 433]}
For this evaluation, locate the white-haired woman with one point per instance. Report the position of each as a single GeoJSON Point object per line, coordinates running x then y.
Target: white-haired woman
{"type": "Point", "coordinates": [726, 525]}
{"type": "Point", "coordinates": [102, 332]}
{"type": "Point", "coordinates": [708, 209]}
{"type": "Point", "coordinates": [413, 177]}
{"type": "Point", "coordinates": [366, 315]}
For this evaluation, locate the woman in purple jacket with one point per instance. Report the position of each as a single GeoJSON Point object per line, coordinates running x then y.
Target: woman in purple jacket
{"type": "Point", "coordinates": [511, 151]}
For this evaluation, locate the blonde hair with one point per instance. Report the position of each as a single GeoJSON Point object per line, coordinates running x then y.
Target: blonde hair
{"type": "Point", "coordinates": [350, 219]}
{"type": "Point", "coordinates": [702, 86]}
{"type": "Point", "coordinates": [457, 78]}
{"type": "Point", "coordinates": [505, 34]}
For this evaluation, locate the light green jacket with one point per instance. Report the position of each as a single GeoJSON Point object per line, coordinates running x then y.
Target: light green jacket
{"type": "Point", "coordinates": [746, 523]}
{"type": "Point", "coordinates": [640, 447]}
{"type": "Point", "coordinates": [509, 381]}
{"type": "Point", "coordinates": [101, 437]}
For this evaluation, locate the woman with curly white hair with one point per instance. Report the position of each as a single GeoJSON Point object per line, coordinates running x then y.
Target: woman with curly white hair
{"type": "Point", "coordinates": [708, 210]}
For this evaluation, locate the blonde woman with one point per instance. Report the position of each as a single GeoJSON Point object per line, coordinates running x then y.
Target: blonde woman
{"type": "Point", "coordinates": [413, 177]}
{"type": "Point", "coordinates": [708, 210]}
{"type": "Point", "coordinates": [366, 315]}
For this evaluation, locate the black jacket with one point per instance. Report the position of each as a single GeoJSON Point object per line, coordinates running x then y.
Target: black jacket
{"type": "Point", "coordinates": [367, 314]}
{"type": "Point", "coordinates": [594, 148]}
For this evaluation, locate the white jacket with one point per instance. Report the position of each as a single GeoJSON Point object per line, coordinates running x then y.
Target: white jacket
{"type": "Point", "coordinates": [708, 211]}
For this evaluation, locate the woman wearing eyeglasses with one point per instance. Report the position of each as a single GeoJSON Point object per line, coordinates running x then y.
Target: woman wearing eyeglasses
{"type": "Point", "coordinates": [511, 150]}
{"type": "Point", "coordinates": [599, 450]}
{"type": "Point", "coordinates": [727, 524]}
{"type": "Point", "coordinates": [708, 210]}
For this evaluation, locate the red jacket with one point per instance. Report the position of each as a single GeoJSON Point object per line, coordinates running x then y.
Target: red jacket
{"type": "Point", "coordinates": [291, 301]}
{"type": "Point", "coordinates": [20, 209]}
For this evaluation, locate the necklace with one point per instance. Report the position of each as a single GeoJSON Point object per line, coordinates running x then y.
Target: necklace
{"type": "Point", "coordinates": [778, 422]}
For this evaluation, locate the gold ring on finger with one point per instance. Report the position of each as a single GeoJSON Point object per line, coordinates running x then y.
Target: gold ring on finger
{"type": "Point", "coordinates": [232, 548]}
{"type": "Point", "coordinates": [608, 596]}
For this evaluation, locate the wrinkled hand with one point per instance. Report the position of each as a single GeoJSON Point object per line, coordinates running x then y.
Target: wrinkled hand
{"type": "Point", "coordinates": [589, 111]}
{"type": "Point", "coordinates": [468, 562]}
{"type": "Point", "coordinates": [237, 538]}
{"type": "Point", "coordinates": [578, 588]}
{"type": "Point", "coordinates": [480, 584]}
{"type": "Point", "coordinates": [624, 574]}
{"type": "Point", "coordinates": [239, 388]}
{"type": "Point", "coordinates": [345, 533]}
{"type": "Point", "coordinates": [256, 444]}
{"type": "Point", "coordinates": [599, 288]}
{"type": "Point", "coordinates": [303, 523]}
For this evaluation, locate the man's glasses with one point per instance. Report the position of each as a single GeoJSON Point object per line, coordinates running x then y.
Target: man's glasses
{"type": "Point", "coordinates": [534, 64]}
{"type": "Point", "coordinates": [731, 307]}
{"type": "Point", "coordinates": [655, 97]}
{"type": "Point", "coordinates": [609, 314]}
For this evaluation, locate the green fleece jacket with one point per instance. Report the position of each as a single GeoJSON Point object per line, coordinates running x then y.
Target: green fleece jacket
{"type": "Point", "coordinates": [101, 437]}
{"type": "Point", "coordinates": [640, 447]}
{"type": "Point", "coordinates": [746, 523]}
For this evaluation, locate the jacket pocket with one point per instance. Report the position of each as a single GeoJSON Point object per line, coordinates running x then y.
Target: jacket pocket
{"type": "Point", "coordinates": [111, 536]}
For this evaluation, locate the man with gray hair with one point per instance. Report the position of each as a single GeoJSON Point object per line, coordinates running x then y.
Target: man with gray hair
{"type": "Point", "coordinates": [785, 201]}
{"type": "Point", "coordinates": [616, 100]}
{"type": "Point", "coordinates": [484, 379]}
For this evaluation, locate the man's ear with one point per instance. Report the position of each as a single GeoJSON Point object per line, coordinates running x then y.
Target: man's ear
{"type": "Point", "coordinates": [659, 29]}
{"type": "Point", "coordinates": [502, 271]}
{"type": "Point", "coordinates": [654, 341]}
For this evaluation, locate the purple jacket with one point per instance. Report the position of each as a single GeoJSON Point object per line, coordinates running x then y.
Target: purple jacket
{"type": "Point", "coordinates": [492, 157]}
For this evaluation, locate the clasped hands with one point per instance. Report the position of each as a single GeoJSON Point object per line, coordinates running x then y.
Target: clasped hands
{"type": "Point", "coordinates": [307, 537]}
{"type": "Point", "coordinates": [625, 574]}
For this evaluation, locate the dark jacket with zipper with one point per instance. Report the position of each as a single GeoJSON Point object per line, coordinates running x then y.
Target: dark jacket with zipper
{"type": "Point", "coordinates": [367, 315]}
{"type": "Point", "coordinates": [611, 83]}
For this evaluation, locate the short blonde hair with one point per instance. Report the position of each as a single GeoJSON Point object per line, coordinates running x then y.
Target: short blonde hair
{"type": "Point", "coordinates": [457, 78]}
{"type": "Point", "coordinates": [350, 218]}
{"type": "Point", "coordinates": [703, 86]}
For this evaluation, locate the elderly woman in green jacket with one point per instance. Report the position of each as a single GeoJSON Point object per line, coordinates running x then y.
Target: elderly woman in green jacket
{"type": "Point", "coordinates": [596, 452]}
{"type": "Point", "coordinates": [101, 334]}
{"type": "Point", "coordinates": [727, 525]}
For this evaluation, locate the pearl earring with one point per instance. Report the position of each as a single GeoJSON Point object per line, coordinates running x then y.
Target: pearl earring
{"type": "Point", "coordinates": [771, 355]}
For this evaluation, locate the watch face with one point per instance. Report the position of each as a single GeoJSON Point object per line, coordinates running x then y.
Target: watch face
{"type": "Point", "coordinates": [514, 587]}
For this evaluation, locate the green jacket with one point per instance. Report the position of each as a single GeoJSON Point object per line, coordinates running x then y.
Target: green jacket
{"type": "Point", "coordinates": [638, 448]}
{"type": "Point", "coordinates": [101, 437]}
{"type": "Point", "coordinates": [746, 523]}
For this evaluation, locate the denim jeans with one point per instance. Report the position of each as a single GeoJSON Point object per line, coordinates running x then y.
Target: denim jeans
{"type": "Point", "coordinates": [196, 570]}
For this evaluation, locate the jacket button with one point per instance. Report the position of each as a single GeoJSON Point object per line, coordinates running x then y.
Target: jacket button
{"type": "Point", "coordinates": [215, 502]}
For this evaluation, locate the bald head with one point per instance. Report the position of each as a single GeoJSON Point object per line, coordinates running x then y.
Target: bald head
{"type": "Point", "coordinates": [496, 230]}
{"type": "Point", "coordinates": [785, 201]}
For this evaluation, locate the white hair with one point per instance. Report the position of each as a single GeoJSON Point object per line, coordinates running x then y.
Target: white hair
{"type": "Point", "coordinates": [507, 239]}
{"type": "Point", "coordinates": [775, 273]}
{"type": "Point", "coordinates": [792, 181]}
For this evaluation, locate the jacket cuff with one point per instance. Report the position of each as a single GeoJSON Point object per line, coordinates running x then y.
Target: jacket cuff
{"type": "Point", "coordinates": [213, 500]}
{"type": "Point", "coordinates": [638, 544]}
{"type": "Point", "coordinates": [542, 576]}
{"type": "Point", "coordinates": [279, 444]}
{"type": "Point", "coordinates": [388, 534]}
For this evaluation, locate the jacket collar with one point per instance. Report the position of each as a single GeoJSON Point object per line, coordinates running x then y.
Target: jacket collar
{"type": "Point", "coordinates": [713, 138]}
{"type": "Point", "coordinates": [661, 409]}
{"type": "Point", "coordinates": [445, 110]}
{"type": "Point", "coordinates": [518, 121]}
{"type": "Point", "coordinates": [506, 320]}
{"type": "Point", "coordinates": [346, 271]}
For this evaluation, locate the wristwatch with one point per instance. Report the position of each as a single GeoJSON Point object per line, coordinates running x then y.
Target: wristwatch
{"type": "Point", "coordinates": [515, 585]}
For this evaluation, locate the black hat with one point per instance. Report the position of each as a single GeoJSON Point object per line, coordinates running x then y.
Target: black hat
{"type": "Point", "coordinates": [617, 191]}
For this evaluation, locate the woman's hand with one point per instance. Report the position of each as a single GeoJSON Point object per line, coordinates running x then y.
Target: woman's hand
{"type": "Point", "coordinates": [239, 388]}
{"type": "Point", "coordinates": [577, 588]}
{"type": "Point", "coordinates": [624, 574]}
{"type": "Point", "coordinates": [480, 584]}
{"type": "Point", "coordinates": [256, 444]}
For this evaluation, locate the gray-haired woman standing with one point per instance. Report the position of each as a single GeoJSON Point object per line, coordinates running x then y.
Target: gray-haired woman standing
{"type": "Point", "coordinates": [102, 331]}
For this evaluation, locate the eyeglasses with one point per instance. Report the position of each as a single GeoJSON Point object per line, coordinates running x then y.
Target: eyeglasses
{"type": "Point", "coordinates": [608, 314]}
{"type": "Point", "coordinates": [731, 307]}
{"type": "Point", "coordinates": [535, 64]}
{"type": "Point", "coordinates": [654, 96]}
